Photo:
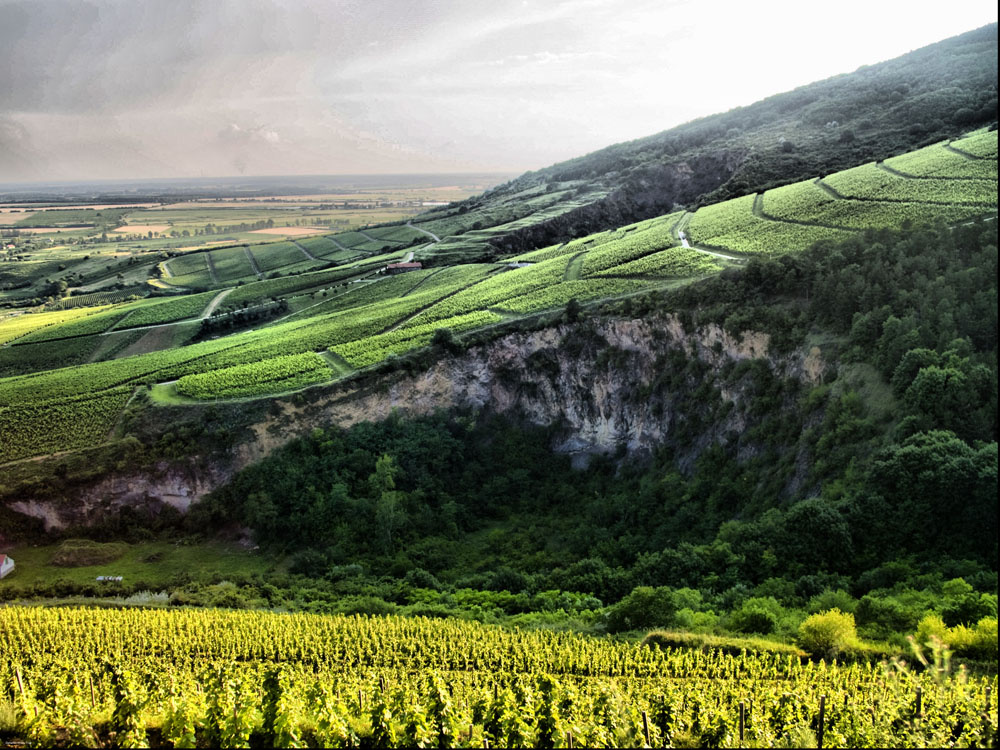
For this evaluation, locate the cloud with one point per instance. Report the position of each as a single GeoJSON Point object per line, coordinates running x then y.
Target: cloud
{"type": "Point", "coordinates": [119, 88]}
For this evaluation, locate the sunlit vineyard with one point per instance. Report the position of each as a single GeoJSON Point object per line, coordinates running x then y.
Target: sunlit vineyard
{"type": "Point", "coordinates": [267, 376]}
{"type": "Point", "coordinates": [234, 679]}
{"type": "Point", "coordinates": [359, 316]}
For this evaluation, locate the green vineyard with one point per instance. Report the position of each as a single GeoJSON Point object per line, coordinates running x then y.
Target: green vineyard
{"type": "Point", "coordinates": [248, 679]}
{"type": "Point", "coordinates": [361, 314]}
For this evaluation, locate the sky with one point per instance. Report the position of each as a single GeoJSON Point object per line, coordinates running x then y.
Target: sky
{"type": "Point", "coordinates": [119, 89]}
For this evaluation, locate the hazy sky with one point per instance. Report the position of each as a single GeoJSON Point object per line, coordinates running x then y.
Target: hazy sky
{"type": "Point", "coordinates": [184, 88]}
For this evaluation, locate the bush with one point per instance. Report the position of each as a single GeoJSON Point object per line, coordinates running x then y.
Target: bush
{"type": "Point", "coordinates": [827, 634]}
{"type": "Point", "coordinates": [756, 615]}
{"type": "Point", "coordinates": [645, 607]}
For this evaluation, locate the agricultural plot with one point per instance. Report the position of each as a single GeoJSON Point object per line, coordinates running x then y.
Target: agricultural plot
{"type": "Point", "coordinates": [937, 161]}
{"type": "Point", "coordinates": [800, 201]}
{"type": "Point", "coordinates": [351, 239]}
{"type": "Point", "coordinates": [95, 322]}
{"type": "Point", "coordinates": [277, 288]}
{"type": "Point", "coordinates": [320, 246]}
{"type": "Point", "coordinates": [15, 326]}
{"type": "Point", "coordinates": [857, 214]}
{"type": "Point", "coordinates": [278, 255]}
{"type": "Point", "coordinates": [374, 349]}
{"type": "Point", "coordinates": [732, 226]}
{"type": "Point", "coordinates": [675, 262]}
{"type": "Point", "coordinates": [166, 311]}
{"type": "Point", "coordinates": [232, 264]}
{"type": "Point", "coordinates": [248, 678]}
{"type": "Point", "coordinates": [64, 217]}
{"type": "Point", "coordinates": [46, 355]}
{"type": "Point", "coordinates": [582, 290]}
{"type": "Point", "coordinates": [266, 376]}
{"type": "Point", "coordinates": [102, 298]}
{"type": "Point", "coordinates": [632, 243]}
{"type": "Point", "coordinates": [983, 145]}
{"type": "Point", "coordinates": [189, 264]}
{"type": "Point", "coordinates": [43, 427]}
{"type": "Point", "coordinates": [868, 182]}
{"type": "Point", "coordinates": [495, 289]}
{"type": "Point", "coordinates": [722, 219]}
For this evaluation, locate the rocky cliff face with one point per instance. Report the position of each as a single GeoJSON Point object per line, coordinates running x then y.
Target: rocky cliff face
{"type": "Point", "coordinates": [601, 381]}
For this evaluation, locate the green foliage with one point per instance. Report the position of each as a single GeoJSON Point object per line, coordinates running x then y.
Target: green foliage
{"type": "Point", "coordinates": [827, 633]}
{"type": "Point", "coordinates": [267, 376]}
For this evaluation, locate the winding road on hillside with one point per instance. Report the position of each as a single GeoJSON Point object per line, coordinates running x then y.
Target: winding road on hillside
{"type": "Point", "coordinates": [429, 234]}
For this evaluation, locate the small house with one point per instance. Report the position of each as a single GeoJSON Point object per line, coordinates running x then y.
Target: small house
{"type": "Point", "coordinates": [403, 267]}
{"type": "Point", "coordinates": [6, 565]}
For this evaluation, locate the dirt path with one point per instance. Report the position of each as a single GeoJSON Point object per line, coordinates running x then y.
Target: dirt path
{"type": "Point", "coordinates": [720, 254]}
{"type": "Point", "coordinates": [216, 301]}
{"type": "Point", "coordinates": [211, 268]}
{"type": "Point", "coordinates": [960, 152]}
{"type": "Point", "coordinates": [429, 234]}
{"type": "Point", "coordinates": [253, 262]}
{"type": "Point", "coordinates": [907, 176]}
{"type": "Point", "coordinates": [308, 254]}
{"type": "Point", "coordinates": [828, 190]}
{"type": "Point", "coordinates": [342, 247]}
{"type": "Point", "coordinates": [760, 213]}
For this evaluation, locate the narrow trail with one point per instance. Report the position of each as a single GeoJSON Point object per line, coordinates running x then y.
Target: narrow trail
{"type": "Point", "coordinates": [960, 152]}
{"type": "Point", "coordinates": [342, 247]}
{"type": "Point", "coordinates": [310, 307]}
{"type": "Point", "coordinates": [308, 254]}
{"type": "Point", "coordinates": [422, 281]}
{"type": "Point", "coordinates": [211, 268]}
{"type": "Point", "coordinates": [907, 176]}
{"type": "Point", "coordinates": [209, 309]}
{"type": "Point", "coordinates": [338, 364]}
{"type": "Point", "coordinates": [166, 270]}
{"type": "Point", "coordinates": [253, 263]}
{"type": "Point", "coordinates": [378, 239]}
{"type": "Point", "coordinates": [574, 267]}
{"type": "Point", "coordinates": [720, 254]}
{"type": "Point", "coordinates": [828, 190]}
{"type": "Point", "coordinates": [429, 234]}
{"type": "Point", "coordinates": [760, 213]}
{"type": "Point", "coordinates": [407, 318]}
{"type": "Point", "coordinates": [216, 301]}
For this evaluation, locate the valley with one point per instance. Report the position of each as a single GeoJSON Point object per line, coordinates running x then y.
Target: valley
{"type": "Point", "coordinates": [689, 441]}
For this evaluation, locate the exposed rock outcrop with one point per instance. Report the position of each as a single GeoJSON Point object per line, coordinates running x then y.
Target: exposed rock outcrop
{"type": "Point", "coordinates": [601, 381]}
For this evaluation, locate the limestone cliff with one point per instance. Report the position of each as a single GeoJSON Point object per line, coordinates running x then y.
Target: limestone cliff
{"type": "Point", "coordinates": [602, 381]}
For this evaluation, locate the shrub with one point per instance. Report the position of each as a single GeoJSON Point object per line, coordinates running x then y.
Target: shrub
{"type": "Point", "coordinates": [756, 615]}
{"type": "Point", "coordinates": [828, 633]}
{"type": "Point", "coordinates": [645, 607]}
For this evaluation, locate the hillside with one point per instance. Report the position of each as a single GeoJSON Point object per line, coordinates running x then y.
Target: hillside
{"type": "Point", "coordinates": [704, 380]}
{"type": "Point", "coordinates": [878, 111]}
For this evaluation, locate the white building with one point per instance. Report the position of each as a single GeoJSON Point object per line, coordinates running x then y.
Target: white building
{"type": "Point", "coordinates": [6, 565]}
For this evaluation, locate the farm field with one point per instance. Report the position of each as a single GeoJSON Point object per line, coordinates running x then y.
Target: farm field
{"type": "Point", "coordinates": [336, 681]}
{"type": "Point", "coordinates": [340, 302]}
